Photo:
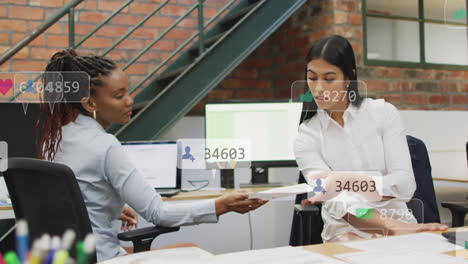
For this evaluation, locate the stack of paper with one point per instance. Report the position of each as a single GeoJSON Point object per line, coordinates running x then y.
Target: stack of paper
{"type": "Point", "coordinates": [415, 248]}
{"type": "Point", "coordinates": [392, 257]}
{"type": "Point", "coordinates": [282, 192]}
{"type": "Point", "coordinates": [419, 242]}
{"type": "Point", "coordinates": [281, 255]}
{"type": "Point", "coordinates": [172, 256]}
{"type": "Point", "coordinates": [290, 255]}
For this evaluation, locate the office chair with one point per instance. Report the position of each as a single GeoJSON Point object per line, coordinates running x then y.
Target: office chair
{"type": "Point", "coordinates": [425, 192]}
{"type": "Point", "coordinates": [307, 221]}
{"type": "Point", "coordinates": [458, 210]}
{"type": "Point", "coordinates": [21, 137]}
{"type": "Point", "coordinates": [47, 196]}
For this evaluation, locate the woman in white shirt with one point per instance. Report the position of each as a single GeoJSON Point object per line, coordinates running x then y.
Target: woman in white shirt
{"type": "Point", "coordinates": [356, 149]}
{"type": "Point", "coordinates": [74, 134]}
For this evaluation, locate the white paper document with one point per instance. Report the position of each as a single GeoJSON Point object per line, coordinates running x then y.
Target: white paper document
{"type": "Point", "coordinates": [172, 256]}
{"type": "Point", "coordinates": [290, 255]}
{"type": "Point", "coordinates": [391, 257]}
{"type": "Point", "coordinates": [282, 192]}
{"type": "Point", "coordinates": [420, 242]}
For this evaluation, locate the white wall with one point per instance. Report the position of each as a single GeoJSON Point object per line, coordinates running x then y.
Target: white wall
{"type": "Point", "coordinates": [445, 134]}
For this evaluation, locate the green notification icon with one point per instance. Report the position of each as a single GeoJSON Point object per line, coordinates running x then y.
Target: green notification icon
{"type": "Point", "coordinates": [307, 97]}
{"type": "Point", "coordinates": [365, 213]}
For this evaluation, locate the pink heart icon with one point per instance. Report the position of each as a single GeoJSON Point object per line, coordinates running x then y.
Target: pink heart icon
{"type": "Point", "coordinates": [5, 86]}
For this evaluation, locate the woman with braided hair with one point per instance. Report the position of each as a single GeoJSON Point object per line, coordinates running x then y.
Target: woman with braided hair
{"type": "Point", "coordinates": [74, 134]}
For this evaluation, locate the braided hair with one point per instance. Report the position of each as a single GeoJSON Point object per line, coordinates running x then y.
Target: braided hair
{"type": "Point", "coordinates": [55, 115]}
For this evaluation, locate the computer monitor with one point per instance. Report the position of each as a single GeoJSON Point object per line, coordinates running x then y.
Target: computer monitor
{"type": "Point", "coordinates": [271, 127]}
{"type": "Point", "coordinates": [157, 161]}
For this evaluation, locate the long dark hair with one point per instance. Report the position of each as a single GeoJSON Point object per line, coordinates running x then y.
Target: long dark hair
{"type": "Point", "coordinates": [54, 116]}
{"type": "Point", "coordinates": [338, 51]}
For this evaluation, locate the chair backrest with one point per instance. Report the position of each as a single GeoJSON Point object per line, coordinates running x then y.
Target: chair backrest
{"type": "Point", "coordinates": [424, 203]}
{"type": "Point", "coordinates": [47, 196]}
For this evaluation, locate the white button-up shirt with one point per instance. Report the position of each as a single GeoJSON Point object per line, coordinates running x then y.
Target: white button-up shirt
{"type": "Point", "coordinates": [372, 142]}
{"type": "Point", "coordinates": [108, 180]}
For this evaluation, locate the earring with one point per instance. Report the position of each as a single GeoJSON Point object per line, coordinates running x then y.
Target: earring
{"type": "Point", "coordinates": [94, 114]}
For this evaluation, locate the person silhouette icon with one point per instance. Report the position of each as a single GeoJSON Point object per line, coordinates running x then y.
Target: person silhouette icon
{"type": "Point", "coordinates": [187, 154]}
{"type": "Point", "coordinates": [319, 187]}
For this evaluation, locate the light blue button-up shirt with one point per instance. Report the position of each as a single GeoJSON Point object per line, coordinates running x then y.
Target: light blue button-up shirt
{"type": "Point", "coordinates": [108, 180]}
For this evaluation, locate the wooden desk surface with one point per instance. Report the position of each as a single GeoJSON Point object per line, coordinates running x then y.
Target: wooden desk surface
{"type": "Point", "coordinates": [6, 208]}
{"type": "Point", "coordinates": [333, 249]}
{"type": "Point", "coordinates": [449, 180]}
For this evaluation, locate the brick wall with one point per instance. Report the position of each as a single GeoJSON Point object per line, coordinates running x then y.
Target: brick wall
{"type": "Point", "coordinates": [279, 61]}
{"type": "Point", "coordinates": [20, 17]}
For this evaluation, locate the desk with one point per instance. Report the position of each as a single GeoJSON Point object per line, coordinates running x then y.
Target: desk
{"type": "Point", "coordinates": [329, 250]}
{"type": "Point", "coordinates": [333, 249]}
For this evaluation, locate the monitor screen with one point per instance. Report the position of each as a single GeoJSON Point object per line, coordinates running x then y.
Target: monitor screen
{"type": "Point", "coordinates": [157, 161]}
{"type": "Point", "coordinates": [271, 127]}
